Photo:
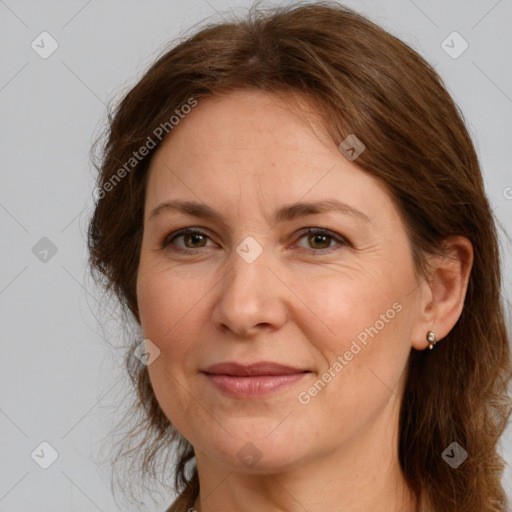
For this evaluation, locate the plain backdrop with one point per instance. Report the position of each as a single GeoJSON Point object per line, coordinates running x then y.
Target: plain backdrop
{"type": "Point", "coordinates": [58, 370]}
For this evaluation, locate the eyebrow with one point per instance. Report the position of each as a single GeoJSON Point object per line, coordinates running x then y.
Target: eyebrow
{"type": "Point", "coordinates": [285, 213]}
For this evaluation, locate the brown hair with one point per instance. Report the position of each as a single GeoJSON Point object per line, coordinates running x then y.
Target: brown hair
{"type": "Point", "coordinates": [366, 82]}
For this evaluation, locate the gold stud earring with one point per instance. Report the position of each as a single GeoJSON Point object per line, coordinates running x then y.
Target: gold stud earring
{"type": "Point", "coordinates": [431, 338]}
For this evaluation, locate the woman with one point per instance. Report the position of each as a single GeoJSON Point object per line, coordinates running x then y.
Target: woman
{"type": "Point", "coordinates": [292, 209]}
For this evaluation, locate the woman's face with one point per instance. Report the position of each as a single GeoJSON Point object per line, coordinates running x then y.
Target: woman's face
{"type": "Point", "coordinates": [338, 306]}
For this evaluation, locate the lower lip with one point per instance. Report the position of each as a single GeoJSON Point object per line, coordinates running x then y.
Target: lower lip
{"type": "Point", "coordinates": [255, 386]}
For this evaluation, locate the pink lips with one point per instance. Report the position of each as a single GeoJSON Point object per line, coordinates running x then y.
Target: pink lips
{"type": "Point", "coordinates": [251, 381]}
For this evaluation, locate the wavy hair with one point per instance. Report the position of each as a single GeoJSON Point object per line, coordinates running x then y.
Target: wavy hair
{"type": "Point", "coordinates": [367, 82]}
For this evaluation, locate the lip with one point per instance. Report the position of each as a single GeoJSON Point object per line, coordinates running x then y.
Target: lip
{"type": "Point", "coordinates": [253, 380]}
{"type": "Point", "coordinates": [235, 369]}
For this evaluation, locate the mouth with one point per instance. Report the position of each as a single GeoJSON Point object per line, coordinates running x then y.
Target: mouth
{"type": "Point", "coordinates": [254, 380]}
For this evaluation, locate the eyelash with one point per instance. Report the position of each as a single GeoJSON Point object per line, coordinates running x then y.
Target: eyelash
{"type": "Point", "coordinates": [343, 242]}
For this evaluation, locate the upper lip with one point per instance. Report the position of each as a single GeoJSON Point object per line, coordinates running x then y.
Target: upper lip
{"type": "Point", "coordinates": [260, 368]}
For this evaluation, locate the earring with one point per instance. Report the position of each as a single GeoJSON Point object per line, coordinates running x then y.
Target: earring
{"type": "Point", "coordinates": [431, 338]}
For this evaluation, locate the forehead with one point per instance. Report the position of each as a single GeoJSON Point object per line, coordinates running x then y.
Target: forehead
{"type": "Point", "coordinates": [254, 146]}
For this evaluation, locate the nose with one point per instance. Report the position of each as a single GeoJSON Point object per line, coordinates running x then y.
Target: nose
{"type": "Point", "coordinates": [250, 297]}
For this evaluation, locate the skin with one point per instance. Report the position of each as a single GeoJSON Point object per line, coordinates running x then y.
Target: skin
{"type": "Point", "coordinates": [301, 302]}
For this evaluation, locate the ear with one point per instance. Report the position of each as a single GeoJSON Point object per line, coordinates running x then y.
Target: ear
{"type": "Point", "coordinates": [444, 290]}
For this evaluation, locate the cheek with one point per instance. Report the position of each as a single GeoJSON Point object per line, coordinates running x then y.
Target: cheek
{"type": "Point", "coordinates": [167, 300]}
{"type": "Point", "coordinates": [349, 304]}
{"type": "Point", "coordinates": [173, 305]}
{"type": "Point", "coordinates": [360, 331]}
{"type": "Point", "coordinates": [363, 356]}
{"type": "Point", "coordinates": [170, 310]}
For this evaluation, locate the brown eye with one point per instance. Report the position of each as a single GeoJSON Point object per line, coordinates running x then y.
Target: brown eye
{"type": "Point", "coordinates": [192, 239]}
{"type": "Point", "coordinates": [319, 239]}
{"type": "Point", "coordinates": [195, 240]}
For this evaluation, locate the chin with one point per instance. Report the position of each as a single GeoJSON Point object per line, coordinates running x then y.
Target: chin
{"type": "Point", "coordinates": [257, 453]}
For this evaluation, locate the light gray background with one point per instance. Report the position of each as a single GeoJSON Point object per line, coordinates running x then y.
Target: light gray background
{"type": "Point", "coordinates": [59, 374]}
